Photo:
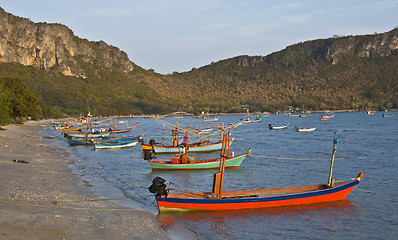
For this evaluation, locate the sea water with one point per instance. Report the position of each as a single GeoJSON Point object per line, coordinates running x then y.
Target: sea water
{"type": "Point", "coordinates": [280, 158]}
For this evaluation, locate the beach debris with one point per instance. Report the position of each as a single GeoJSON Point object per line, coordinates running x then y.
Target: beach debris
{"type": "Point", "coordinates": [20, 161]}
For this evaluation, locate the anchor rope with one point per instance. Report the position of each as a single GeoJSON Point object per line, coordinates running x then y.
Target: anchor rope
{"type": "Point", "coordinates": [76, 208]}
{"type": "Point", "coordinates": [301, 159]}
{"type": "Point", "coordinates": [366, 190]}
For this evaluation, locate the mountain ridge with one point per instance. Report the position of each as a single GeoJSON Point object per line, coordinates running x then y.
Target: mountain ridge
{"type": "Point", "coordinates": [72, 76]}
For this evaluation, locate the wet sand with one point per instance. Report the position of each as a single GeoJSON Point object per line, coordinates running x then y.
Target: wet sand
{"type": "Point", "coordinates": [33, 175]}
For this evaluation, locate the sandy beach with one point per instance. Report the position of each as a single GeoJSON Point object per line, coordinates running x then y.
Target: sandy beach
{"type": "Point", "coordinates": [33, 175]}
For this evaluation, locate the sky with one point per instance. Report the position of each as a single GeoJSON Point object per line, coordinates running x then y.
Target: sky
{"type": "Point", "coordinates": [178, 35]}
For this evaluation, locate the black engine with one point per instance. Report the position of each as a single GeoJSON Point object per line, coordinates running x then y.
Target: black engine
{"type": "Point", "coordinates": [158, 187]}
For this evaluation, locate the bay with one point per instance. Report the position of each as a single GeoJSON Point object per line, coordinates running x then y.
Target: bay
{"type": "Point", "coordinates": [280, 158]}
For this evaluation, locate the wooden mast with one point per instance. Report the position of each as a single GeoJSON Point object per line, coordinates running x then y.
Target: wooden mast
{"type": "Point", "coordinates": [138, 127]}
{"type": "Point", "coordinates": [219, 176]}
{"type": "Point", "coordinates": [228, 138]}
{"type": "Point", "coordinates": [330, 182]}
{"type": "Point", "coordinates": [222, 161]}
{"type": "Point", "coordinates": [114, 129]}
{"type": "Point", "coordinates": [185, 154]}
{"type": "Point", "coordinates": [163, 136]}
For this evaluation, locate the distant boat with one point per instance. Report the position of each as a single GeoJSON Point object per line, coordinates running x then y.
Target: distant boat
{"type": "Point", "coordinates": [385, 115]}
{"type": "Point", "coordinates": [247, 120]}
{"type": "Point", "coordinates": [304, 116]}
{"type": "Point", "coordinates": [215, 119]}
{"type": "Point", "coordinates": [326, 117]}
{"type": "Point", "coordinates": [370, 112]}
{"type": "Point", "coordinates": [122, 142]}
{"type": "Point", "coordinates": [87, 135]}
{"type": "Point", "coordinates": [276, 128]}
{"type": "Point", "coordinates": [304, 129]}
{"type": "Point", "coordinates": [322, 118]}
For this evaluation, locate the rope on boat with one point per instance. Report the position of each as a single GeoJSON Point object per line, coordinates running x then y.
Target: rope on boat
{"type": "Point", "coordinates": [366, 190]}
{"type": "Point", "coordinates": [75, 208]}
{"type": "Point", "coordinates": [99, 199]}
{"type": "Point", "coordinates": [136, 186]}
{"type": "Point", "coordinates": [301, 159]}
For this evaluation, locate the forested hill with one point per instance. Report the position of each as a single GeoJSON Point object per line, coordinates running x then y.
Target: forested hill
{"type": "Point", "coordinates": [338, 73]}
{"type": "Point", "coordinates": [69, 75]}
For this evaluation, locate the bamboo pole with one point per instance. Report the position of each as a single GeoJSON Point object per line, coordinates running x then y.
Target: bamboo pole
{"type": "Point", "coordinates": [330, 184]}
{"type": "Point", "coordinates": [222, 162]}
{"type": "Point", "coordinates": [163, 136]}
{"type": "Point", "coordinates": [222, 135]}
{"type": "Point", "coordinates": [228, 139]}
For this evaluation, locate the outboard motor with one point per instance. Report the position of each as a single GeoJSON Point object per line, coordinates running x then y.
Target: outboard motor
{"type": "Point", "coordinates": [152, 142]}
{"type": "Point", "coordinates": [158, 187]}
{"type": "Point", "coordinates": [148, 154]}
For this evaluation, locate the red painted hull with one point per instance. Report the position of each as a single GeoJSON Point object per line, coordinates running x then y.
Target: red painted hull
{"type": "Point", "coordinates": [259, 199]}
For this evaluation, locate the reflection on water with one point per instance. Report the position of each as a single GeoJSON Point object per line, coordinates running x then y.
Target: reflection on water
{"type": "Point", "coordinates": [238, 221]}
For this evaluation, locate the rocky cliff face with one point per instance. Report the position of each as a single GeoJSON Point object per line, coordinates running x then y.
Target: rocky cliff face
{"type": "Point", "coordinates": [55, 47]}
{"type": "Point", "coordinates": [377, 45]}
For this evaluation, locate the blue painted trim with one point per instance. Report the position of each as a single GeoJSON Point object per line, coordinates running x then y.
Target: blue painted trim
{"type": "Point", "coordinates": [267, 199]}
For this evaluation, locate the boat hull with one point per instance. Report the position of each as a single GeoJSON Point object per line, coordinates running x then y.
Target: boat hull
{"type": "Point", "coordinates": [278, 128]}
{"type": "Point", "coordinates": [90, 135]}
{"type": "Point", "coordinates": [198, 165]}
{"type": "Point", "coordinates": [305, 129]}
{"type": "Point", "coordinates": [169, 149]}
{"type": "Point", "coordinates": [339, 192]}
{"type": "Point", "coordinates": [324, 118]}
{"type": "Point", "coordinates": [115, 145]}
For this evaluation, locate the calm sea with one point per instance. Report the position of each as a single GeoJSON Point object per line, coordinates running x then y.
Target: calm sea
{"type": "Point", "coordinates": [284, 158]}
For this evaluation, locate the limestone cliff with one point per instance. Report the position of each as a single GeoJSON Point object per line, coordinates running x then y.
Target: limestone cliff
{"type": "Point", "coordinates": [375, 45]}
{"type": "Point", "coordinates": [55, 47]}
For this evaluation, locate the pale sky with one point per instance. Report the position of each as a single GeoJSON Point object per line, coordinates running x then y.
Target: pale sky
{"type": "Point", "coordinates": [172, 35]}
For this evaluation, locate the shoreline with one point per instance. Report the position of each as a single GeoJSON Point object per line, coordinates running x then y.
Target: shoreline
{"type": "Point", "coordinates": [34, 173]}
{"type": "Point", "coordinates": [215, 114]}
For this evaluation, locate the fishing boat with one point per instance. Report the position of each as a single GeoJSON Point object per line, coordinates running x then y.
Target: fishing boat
{"type": "Point", "coordinates": [122, 142]}
{"type": "Point", "coordinates": [87, 135]}
{"type": "Point", "coordinates": [194, 147]}
{"type": "Point", "coordinates": [322, 118]}
{"type": "Point", "coordinates": [328, 115]}
{"type": "Point", "coordinates": [247, 120]}
{"type": "Point", "coordinates": [305, 129]}
{"type": "Point", "coordinates": [183, 162]}
{"type": "Point", "coordinates": [119, 142]}
{"type": "Point", "coordinates": [276, 128]}
{"type": "Point", "coordinates": [118, 131]}
{"type": "Point", "coordinates": [215, 119]}
{"type": "Point", "coordinates": [218, 199]}
{"type": "Point", "coordinates": [304, 116]}
{"type": "Point", "coordinates": [90, 141]}
{"type": "Point", "coordinates": [385, 115]}
{"type": "Point", "coordinates": [199, 145]}
{"type": "Point", "coordinates": [80, 141]}
{"type": "Point", "coordinates": [370, 112]}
